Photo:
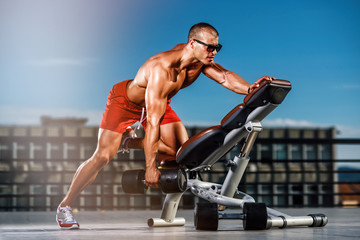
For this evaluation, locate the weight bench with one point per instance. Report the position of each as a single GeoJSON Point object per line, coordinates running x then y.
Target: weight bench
{"type": "Point", "coordinates": [204, 149]}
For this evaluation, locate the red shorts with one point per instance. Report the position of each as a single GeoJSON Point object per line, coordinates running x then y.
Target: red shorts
{"type": "Point", "coordinates": [120, 112]}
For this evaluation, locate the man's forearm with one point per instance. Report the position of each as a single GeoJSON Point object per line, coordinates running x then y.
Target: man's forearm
{"type": "Point", "coordinates": [151, 145]}
{"type": "Point", "coordinates": [236, 83]}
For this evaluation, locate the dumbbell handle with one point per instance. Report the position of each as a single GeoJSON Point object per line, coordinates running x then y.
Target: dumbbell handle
{"type": "Point", "coordinates": [232, 216]}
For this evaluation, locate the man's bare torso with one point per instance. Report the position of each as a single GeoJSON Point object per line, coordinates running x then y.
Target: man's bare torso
{"type": "Point", "coordinates": [168, 61]}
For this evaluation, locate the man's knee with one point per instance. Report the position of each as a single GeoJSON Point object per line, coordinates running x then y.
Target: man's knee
{"type": "Point", "coordinates": [101, 159]}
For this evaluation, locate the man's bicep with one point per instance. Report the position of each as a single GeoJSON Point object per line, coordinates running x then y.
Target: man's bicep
{"type": "Point", "coordinates": [155, 102]}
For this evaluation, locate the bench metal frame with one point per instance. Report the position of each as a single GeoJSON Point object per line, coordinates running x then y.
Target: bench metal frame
{"type": "Point", "coordinates": [226, 195]}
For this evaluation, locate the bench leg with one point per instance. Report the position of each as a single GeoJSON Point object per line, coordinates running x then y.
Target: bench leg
{"type": "Point", "coordinates": [168, 213]}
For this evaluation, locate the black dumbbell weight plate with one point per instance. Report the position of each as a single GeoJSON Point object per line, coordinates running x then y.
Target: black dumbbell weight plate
{"type": "Point", "coordinates": [255, 216]}
{"type": "Point", "coordinates": [133, 181]}
{"type": "Point", "coordinates": [206, 216]}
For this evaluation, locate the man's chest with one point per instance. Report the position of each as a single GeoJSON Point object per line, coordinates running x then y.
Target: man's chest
{"type": "Point", "coordinates": [192, 73]}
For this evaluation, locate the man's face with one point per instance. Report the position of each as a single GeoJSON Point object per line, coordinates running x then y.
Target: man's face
{"type": "Point", "coordinates": [201, 51]}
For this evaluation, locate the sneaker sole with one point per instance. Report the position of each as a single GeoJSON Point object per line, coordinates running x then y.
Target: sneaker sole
{"type": "Point", "coordinates": [73, 227]}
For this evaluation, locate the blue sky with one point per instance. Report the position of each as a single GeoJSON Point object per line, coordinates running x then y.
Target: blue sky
{"type": "Point", "coordinates": [61, 58]}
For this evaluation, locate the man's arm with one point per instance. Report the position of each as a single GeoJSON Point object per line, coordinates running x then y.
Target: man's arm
{"type": "Point", "coordinates": [158, 88]}
{"type": "Point", "coordinates": [230, 79]}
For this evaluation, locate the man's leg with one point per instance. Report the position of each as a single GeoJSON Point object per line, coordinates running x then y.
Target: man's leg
{"type": "Point", "coordinates": [108, 144]}
{"type": "Point", "coordinates": [172, 135]}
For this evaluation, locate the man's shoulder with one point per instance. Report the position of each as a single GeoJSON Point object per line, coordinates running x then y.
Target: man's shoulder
{"type": "Point", "coordinates": [158, 61]}
{"type": "Point", "coordinates": [163, 60]}
{"type": "Point", "coordinates": [169, 55]}
{"type": "Point", "coordinates": [179, 46]}
{"type": "Point", "coordinates": [158, 64]}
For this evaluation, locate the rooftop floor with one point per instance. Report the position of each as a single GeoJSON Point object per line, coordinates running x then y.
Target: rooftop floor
{"type": "Point", "coordinates": [344, 223]}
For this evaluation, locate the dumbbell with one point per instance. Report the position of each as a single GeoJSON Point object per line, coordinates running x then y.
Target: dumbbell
{"type": "Point", "coordinates": [171, 181]}
{"type": "Point", "coordinates": [254, 216]}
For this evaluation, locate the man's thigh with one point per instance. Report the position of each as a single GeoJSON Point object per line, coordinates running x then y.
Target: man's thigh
{"type": "Point", "coordinates": [108, 143]}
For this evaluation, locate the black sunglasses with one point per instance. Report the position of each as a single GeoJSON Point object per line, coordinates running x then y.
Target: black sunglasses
{"type": "Point", "coordinates": [210, 48]}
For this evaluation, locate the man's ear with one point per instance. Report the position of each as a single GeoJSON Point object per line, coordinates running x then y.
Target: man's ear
{"type": "Point", "coordinates": [191, 42]}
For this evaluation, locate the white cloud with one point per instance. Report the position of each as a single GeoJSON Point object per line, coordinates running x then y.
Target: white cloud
{"type": "Point", "coordinates": [348, 131]}
{"type": "Point", "coordinates": [351, 86]}
{"type": "Point", "coordinates": [202, 124]}
{"type": "Point", "coordinates": [343, 131]}
{"type": "Point", "coordinates": [31, 116]}
{"type": "Point", "coordinates": [56, 62]}
{"type": "Point", "coordinates": [279, 122]}
{"type": "Point", "coordinates": [286, 122]}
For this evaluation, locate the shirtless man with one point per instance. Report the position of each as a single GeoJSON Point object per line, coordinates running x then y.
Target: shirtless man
{"type": "Point", "coordinates": [157, 80]}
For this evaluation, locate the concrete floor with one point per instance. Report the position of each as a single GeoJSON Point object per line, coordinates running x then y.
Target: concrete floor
{"type": "Point", "coordinates": [344, 223]}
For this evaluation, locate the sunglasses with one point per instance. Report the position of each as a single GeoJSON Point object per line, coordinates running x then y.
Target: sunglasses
{"type": "Point", "coordinates": [210, 48]}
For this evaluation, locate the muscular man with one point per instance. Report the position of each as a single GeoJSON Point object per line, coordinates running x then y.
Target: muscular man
{"type": "Point", "coordinates": [156, 82]}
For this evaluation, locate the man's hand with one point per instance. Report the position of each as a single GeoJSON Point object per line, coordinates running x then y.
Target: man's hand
{"type": "Point", "coordinates": [256, 84]}
{"type": "Point", "coordinates": [152, 176]}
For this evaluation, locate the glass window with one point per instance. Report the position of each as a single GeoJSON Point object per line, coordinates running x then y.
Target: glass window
{"type": "Point", "coordinates": [295, 152]}
{"type": "Point", "coordinates": [325, 152]}
{"type": "Point", "coordinates": [310, 152]}
{"type": "Point", "coordinates": [5, 151]}
{"type": "Point", "coordinates": [280, 151]}
{"type": "Point", "coordinates": [266, 152]}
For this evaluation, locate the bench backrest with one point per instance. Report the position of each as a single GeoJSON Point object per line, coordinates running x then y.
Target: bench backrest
{"type": "Point", "coordinates": [194, 151]}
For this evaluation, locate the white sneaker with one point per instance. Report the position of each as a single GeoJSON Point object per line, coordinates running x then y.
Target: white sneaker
{"type": "Point", "coordinates": [65, 218]}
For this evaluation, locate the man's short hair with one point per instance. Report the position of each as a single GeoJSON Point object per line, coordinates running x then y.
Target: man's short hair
{"type": "Point", "coordinates": [196, 29]}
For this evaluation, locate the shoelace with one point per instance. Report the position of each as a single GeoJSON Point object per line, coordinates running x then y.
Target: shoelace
{"type": "Point", "coordinates": [143, 117]}
{"type": "Point", "coordinates": [68, 215]}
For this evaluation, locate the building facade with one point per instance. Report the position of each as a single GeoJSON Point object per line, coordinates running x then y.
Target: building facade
{"type": "Point", "coordinates": [288, 167]}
